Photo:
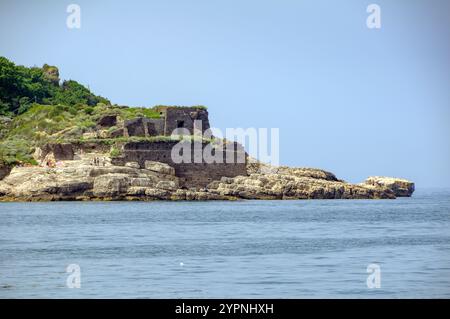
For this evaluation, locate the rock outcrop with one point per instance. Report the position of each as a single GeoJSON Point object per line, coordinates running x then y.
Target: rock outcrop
{"type": "Point", "coordinates": [159, 168]}
{"type": "Point", "coordinates": [93, 177]}
{"type": "Point", "coordinates": [84, 180]}
{"type": "Point", "coordinates": [400, 187]}
{"type": "Point", "coordinates": [295, 183]}
{"type": "Point", "coordinates": [58, 151]}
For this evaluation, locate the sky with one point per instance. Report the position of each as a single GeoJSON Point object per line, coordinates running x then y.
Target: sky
{"type": "Point", "coordinates": [352, 100]}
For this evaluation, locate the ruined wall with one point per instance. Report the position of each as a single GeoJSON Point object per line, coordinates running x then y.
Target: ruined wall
{"type": "Point", "coordinates": [184, 118]}
{"type": "Point", "coordinates": [171, 119]}
{"type": "Point", "coordinates": [91, 147]}
{"type": "Point", "coordinates": [61, 151]}
{"type": "Point", "coordinates": [155, 127]}
{"type": "Point", "coordinates": [143, 127]}
{"type": "Point", "coordinates": [190, 174]}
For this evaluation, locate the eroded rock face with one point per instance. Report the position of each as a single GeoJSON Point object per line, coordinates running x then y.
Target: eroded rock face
{"type": "Point", "coordinates": [159, 167]}
{"type": "Point", "coordinates": [81, 180]}
{"type": "Point", "coordinates": [132, 164]}
{"type": "Point", "coordinates": [288, 186]}
{"type": "Point", "coordinates": [255, 167]}
{"type": "Point", "coordinates": [143, 126]}
{"type": "Point", "coordinates": [400, 187]}
{"type": "Point", "coordinates": [84, 179]}
{"type": "Point", "coordinates": [59, 151]}
{"type": "Point", "coordinates": [4, 171]}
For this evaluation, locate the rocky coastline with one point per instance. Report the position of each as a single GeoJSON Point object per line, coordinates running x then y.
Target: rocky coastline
{"type": "Point", "coordinates": [63, 142]}
{"type": "Point", "coordinates": [92, 176]}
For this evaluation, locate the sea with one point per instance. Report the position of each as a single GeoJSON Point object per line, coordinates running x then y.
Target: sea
{"type": "Point", "coordinates": [228, 249]}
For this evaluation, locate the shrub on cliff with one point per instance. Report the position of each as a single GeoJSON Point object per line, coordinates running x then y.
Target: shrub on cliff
{"type": "Point", "coordinates": [16, 151]}
{"type": "Point", "coordinates": [20, 87]}
{"type": "Point", "coordinates": [39, 125]}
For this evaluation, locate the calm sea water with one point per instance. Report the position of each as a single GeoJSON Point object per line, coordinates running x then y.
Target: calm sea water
{"type": "Point", "coordinates": [248, 249]}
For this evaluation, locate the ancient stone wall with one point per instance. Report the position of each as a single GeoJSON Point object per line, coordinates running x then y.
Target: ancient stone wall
{"type": "Point", "coordinates": [91, 147]}
{"type": "Point", "coordinates": [191, 174]}
{"type": "Point", "coordinates": [185, 118]}
{"type": "Point", "coordinates": [143, 127]}
{"type": "Point", "coordinates": [61, 151]}
{"type": "Point", "coordinates": [171, 119]}
{"type": "Point", "coordinates": [155, 127]}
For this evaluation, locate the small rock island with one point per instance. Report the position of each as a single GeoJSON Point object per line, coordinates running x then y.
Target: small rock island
{"type": "Point", "coordinates": [61, 142]}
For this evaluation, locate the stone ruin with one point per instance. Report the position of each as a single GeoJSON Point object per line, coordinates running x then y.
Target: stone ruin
{"type": "Point", "coordinates": [171, 118]}
{"type": "Point", "coordinates": [192, 174]}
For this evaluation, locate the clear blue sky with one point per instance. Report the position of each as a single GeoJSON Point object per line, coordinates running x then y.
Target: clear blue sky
{"type": "Point", "coordinates": [348, 99]}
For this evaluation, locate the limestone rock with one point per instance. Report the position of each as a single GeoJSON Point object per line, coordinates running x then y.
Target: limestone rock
{"type": "Point", "coordinates": [60, 151]}
{"type": "Point", "coordinates": [81, 179]}
{"type": "Point", "coordinates": [157, 193]}
{"type": "Point", "coordinates": [85, 179]}
{"type": "Point", "coordinates": [254, 166]}
{"type": "Point", "coordinates": [159, 167]}
{"type": "Point", "coordinates": [132, 164]}
{"type": "Point", "coordinates": [167, 185]}
{"type": "Point", "coordinates": [400, 187]}
{"type": "Point", "coordinates": [284, 186]}
{"type": "Point", "coordinates": [136, 191]}
{"type": "Point", "coordinates": [147, 181]}
{"type": "Point", "coordinates": [110, 185]}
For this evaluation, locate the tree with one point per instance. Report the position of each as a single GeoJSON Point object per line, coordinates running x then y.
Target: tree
{"type": "Point", "coordinates": [20, 86]}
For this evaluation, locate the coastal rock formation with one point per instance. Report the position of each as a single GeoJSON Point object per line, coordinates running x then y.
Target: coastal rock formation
{"type": "Point", "coordinates": [255, 167]}
{"type": "Point", "coordinates": [58, 151]}
{"type": "Point", "coordinates": [132, 155]}
{"type": "Point", "coordinates": [81, 180]}
{"type": "Point", "coordinates": [93, 177]}
{"type": "Point", "coordinates": [159, 168]}
{"type": "Point", "coordinates": [289, 186]}
{"type": "Point", "coordinates": [85, 148]}
{"type": "Point", "coordinates": [400, 187]}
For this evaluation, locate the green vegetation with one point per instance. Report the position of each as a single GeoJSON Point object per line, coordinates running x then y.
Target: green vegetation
{"type": "Point", "coordinates": [128, 113]}
{"type": "Point", "coordinates": [16, 151]}
{"type": "Point", "coordinates": [36, 108]}
{"type": "Point", "coordinates": [39, 125]}
{"type": "Point", "coordinates": [115, 152]}
{"type": "Point", "coordinates": [200, 107]}
{"type": "Point", "coordinates": [121, 140]}
{"type": "Point", "coordinates": [20, 87]}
